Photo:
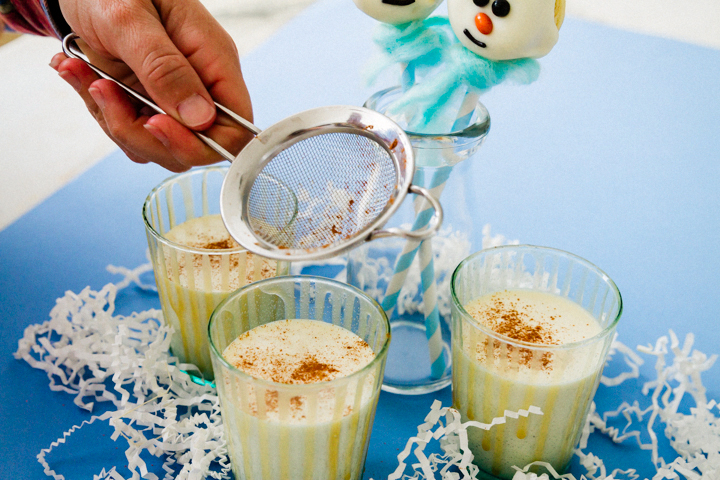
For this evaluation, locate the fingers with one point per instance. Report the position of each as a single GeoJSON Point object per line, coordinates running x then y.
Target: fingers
{"type": "Point", "coordinates": [124, 121]}
{"type": "Point", "coordinates": [125, 126]}
{"type": "Point", "coordinates": [163, 69]}
{"type": "Point", "coordinates": [177, 54]}
{"type": "Point", "coordinates": [213, 55]}
{"type": "Point", "coordinates": [186, 59]}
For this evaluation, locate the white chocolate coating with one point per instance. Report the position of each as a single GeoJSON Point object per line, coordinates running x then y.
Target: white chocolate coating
{"type": "Point", "coordinates": [529, 30]}
{"type": "Point", "coordinates": [398, 12]}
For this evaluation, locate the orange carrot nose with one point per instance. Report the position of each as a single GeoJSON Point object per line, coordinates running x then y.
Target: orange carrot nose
{"type": "Point", "coordinates": [483, 24]}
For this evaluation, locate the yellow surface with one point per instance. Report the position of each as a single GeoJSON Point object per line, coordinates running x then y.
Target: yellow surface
{"type": "Point", "coordinates": [6, 37]}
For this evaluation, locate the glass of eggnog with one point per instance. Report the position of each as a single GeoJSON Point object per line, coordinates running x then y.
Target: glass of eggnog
{"type": "Point", "coordinates": [299, 363]}
{"type": "Point", "coordinates": [196, 262]}
{"type": "Point", "coordinates": [531, 326]}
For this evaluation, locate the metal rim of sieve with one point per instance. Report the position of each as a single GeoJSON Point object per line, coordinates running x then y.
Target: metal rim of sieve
{"type": "Point", "coordinates": [302, 126]}
{"type": "Point", "coordinates": [268, 143]}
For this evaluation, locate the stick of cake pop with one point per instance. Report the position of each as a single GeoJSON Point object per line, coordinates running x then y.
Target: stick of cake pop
{"type": "Point", "coordinates": [433, 331]}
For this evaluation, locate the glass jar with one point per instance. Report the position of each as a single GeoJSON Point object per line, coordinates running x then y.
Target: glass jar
{"type": "Point", "coordinates": [392, 270]}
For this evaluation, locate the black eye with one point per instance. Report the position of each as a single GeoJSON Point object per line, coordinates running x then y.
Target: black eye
{"type": "Point", "coordinates": [500, 8]}
{"type": "Point", "coordinates": [481, 3]}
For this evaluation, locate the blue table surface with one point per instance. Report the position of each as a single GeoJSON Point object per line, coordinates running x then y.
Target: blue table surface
{"type": "Point", "coordinates": [613, 154]}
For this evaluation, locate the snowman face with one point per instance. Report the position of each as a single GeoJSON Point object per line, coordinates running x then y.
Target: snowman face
{"type": "Point", "coordinates": [397, 12]}
{"type": "Point", "coordinates": [506, 29]}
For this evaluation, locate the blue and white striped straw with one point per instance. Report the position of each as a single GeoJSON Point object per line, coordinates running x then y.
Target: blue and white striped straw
{"type": "Point", "coordinates": [424, 211]}
{"type": "Point", "coordinates": [427, 269]}
{"type": "Point", "coordinates": [465, 112]}
{"type": "Point", "coordinates": [406, 257]}
{"type": "Point", "coordinates": [433, 330]}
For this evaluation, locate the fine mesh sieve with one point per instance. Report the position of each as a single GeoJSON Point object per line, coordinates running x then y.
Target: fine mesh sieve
{"type": "Point", "coordinates": [314, 184]}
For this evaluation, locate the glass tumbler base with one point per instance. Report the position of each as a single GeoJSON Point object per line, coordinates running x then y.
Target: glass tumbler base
{"type": "Point", "coordinates": [408, 363]}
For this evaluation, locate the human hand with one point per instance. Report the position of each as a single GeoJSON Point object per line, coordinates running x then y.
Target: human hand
{"type": "Point", "coordinates": [175, 52]}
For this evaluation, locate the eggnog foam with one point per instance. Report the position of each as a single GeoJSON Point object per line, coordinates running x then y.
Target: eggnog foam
{"type": "Point", "coordinates": [303, 352]}
{"type": "Point", "coordinates": [538, 318]}
{"type": "Point", "coordinates": [226, 272]}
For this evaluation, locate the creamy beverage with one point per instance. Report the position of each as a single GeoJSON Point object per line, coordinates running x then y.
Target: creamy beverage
{"type": "Point", "coordinates": [517, 359]}
{"type": "Point", "coordinates": [298, 415]}
{"type": "Point", "coordinates": [192, 282]}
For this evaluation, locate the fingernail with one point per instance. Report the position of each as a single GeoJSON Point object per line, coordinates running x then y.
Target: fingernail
{"type": "Point", "coordinates": [195, 111]}
{"type": "Point", "coordinates": [97, 95]}
{"type": "Point", "coordinates": [157, 133]}
{"type": "Point", "coordinates": [56, 60]}
{"type": "Point", "coordinates": [71, 79]}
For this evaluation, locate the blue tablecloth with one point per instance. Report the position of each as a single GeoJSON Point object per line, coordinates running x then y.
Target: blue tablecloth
{"type": "Point", "coordinates": [613, 154]}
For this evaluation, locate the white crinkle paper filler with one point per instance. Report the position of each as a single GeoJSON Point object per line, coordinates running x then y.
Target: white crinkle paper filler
{"type": "Point", "coordinates": [90, 352]}
{"type": "Point", "coordinates": [452, 435]}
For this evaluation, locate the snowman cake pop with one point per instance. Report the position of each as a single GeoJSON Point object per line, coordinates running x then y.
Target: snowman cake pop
{"type": "Point", "coordinates": [398, 12]}
{"type": "Point", "coordinates": [499, 41]}
{"type": "Point", "coordinates": [507, 29]}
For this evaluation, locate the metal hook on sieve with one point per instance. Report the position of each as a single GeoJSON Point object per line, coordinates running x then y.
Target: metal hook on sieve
{"type": "Point", "coordinates": [71, 49]}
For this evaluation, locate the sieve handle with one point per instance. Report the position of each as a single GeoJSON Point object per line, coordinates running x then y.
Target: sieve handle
{"type": "Point", "coordinates": [71, 49]}
{"type": "Point", "coordinates": [427, 231]}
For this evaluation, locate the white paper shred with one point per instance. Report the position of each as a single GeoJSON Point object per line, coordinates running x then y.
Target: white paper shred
{"type": "Point", "coordinates": [452, 436]}
{"type": "Point", "coordinates": [90, 352]}
{"type": "Point", "coordinates": [133, 276]}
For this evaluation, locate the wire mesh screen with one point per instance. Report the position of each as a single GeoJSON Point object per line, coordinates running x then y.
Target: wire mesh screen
{"type": "Point", "coordinates": [340, 182]}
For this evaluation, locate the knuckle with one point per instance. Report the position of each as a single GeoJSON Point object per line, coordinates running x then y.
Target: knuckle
{"type": "Point", "coordinates": [122, 13]}
{"type": "Point", "coordinates": [163, 67]}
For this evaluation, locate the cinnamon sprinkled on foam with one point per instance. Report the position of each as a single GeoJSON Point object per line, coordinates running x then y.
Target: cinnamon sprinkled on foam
{"type": "Point", "coordinates": [532, 317]}
{"type": "Point", "coordinates": [298, 352]}
{"type": "Point", "coordinates": [209, 233]}
{"type": "Point", "coordinates": [312, 371]}
{"type": "Point", "coordinates": [516, 320]}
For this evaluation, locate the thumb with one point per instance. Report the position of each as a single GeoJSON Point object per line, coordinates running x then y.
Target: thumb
{"type": "Point", "coordinates": [167, 75]}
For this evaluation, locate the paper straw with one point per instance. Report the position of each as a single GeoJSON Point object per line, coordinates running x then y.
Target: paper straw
{"type": "Point", "coordinates": [466, 111]}
{"type": "Point", "coordinates": [433, 330]}
{"type": "Point", "coordinates": [406, 257]}
{"type": "Point", "coordinates": [424, 211]}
